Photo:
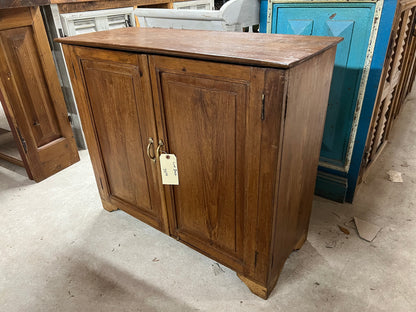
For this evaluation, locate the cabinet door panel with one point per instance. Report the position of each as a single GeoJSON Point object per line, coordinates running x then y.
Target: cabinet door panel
{"type": "Point", "coordinates": [20, 48]}
{"type": "Point", "coordinates": [32, 95]}
{"type": "Point", "coordinates": [123, 128]}
{"type": "Point", "coordinates": [205, 124]}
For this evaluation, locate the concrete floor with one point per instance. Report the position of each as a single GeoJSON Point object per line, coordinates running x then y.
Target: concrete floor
{"type": "Point", "coordinates": [60, 251]}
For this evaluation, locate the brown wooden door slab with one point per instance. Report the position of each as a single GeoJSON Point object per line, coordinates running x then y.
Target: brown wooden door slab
{"type": "Point", "coordinates": [204, 108]}
{"type": "Point", "coordinates": [32, 96]}
{"type": "Point", "coordinates": [118, 108]}
{"type": "Point", "coordinates": [392, 82]}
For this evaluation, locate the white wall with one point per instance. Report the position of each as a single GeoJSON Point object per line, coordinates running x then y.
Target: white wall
{"type": "Point", "coordinates": [3, 121]}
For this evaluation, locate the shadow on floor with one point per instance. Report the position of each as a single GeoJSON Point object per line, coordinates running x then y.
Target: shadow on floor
{"type": "Point", "coordinates": [92, 284]}
{"type": "Point", "coordinates": [8, 177]}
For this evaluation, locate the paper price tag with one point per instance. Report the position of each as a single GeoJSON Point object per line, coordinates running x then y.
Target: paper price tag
{"type": "Point", "coordinates": [169, 169]}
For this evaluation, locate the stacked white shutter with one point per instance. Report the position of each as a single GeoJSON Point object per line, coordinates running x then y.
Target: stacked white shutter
{"type": "Point", "coordinates": [194, 5]}
{"type": "Point", "coordinates": [91, 21]}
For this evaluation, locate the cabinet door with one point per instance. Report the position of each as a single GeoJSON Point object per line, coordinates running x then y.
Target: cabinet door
{"type": "Point", "coordinates": [32, 97]}
{"type": "Point", "coordinates": [353, 22]}
{"type": "Point", "coordinates": [206, 120]}
{"type": "Point", "coordinates": [118, 120]}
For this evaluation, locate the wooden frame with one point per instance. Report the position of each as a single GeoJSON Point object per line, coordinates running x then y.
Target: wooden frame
{"type": "Point", "coordinates": [31, 94]}
{"type": "Point", "coordinates": [392, 85]}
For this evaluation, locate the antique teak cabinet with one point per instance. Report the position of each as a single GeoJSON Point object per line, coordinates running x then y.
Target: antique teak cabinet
{"type": "Point", "coordinates": [244, 115]}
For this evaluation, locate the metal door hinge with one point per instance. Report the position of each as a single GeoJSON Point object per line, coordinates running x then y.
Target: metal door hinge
{"type": "Point", "coordinates": [262, 106]}
{"type": "Point", "coordinates": [70, 119]}
{"type": "Point", "coordinates": [22, 140]}
{"type": "Point", "coordinates": [287, 98]}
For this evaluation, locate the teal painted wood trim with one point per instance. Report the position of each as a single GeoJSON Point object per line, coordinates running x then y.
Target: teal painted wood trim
{"type": "Point", "coordinates": [364, 80]}
{"type": "Point", "coordinates": [381, 44]}
{"type": "Point", "coordinates": [263, 15]}
{"type": "Point", "coordinates": [331, 187]}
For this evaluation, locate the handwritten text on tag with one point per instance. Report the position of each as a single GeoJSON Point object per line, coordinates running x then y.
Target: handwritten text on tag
{"type": "Point", "coordinates": [169, 169]}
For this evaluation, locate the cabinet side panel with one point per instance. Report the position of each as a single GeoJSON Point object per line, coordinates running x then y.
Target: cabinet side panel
{"type": "Point", "coordinates": [307, 98]}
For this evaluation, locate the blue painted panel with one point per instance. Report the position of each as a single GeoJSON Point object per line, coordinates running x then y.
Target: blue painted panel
{"type": "Point", "coordinates": [353, 22]}
{"type": "Point", "coordinates": [331, 186]}
{"type": "Point", "coordinates": [263, 16]}
{"type": "Point", "coordinates": [327, 184]}
{"type": "Point", "coordinates": [299, 26]}
{"type": "Point", "coordinates": [380, 49]}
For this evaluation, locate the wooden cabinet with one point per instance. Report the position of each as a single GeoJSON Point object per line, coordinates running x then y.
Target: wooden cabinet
{"type": "Point", "coordinates": [31, 95]}
{"type": "Point", "coordinates": [244, 122]}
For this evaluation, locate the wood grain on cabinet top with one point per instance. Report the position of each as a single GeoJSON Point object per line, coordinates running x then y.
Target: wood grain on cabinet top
{"type": "Point", "coordinates": [271, 50]}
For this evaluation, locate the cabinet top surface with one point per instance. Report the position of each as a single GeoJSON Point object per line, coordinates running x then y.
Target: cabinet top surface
{"type": "Point", "coordinates": [270, 50]}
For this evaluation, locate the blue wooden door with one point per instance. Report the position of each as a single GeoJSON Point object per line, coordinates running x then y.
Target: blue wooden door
{"type": "Point", "coordinates": [353, 22]}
